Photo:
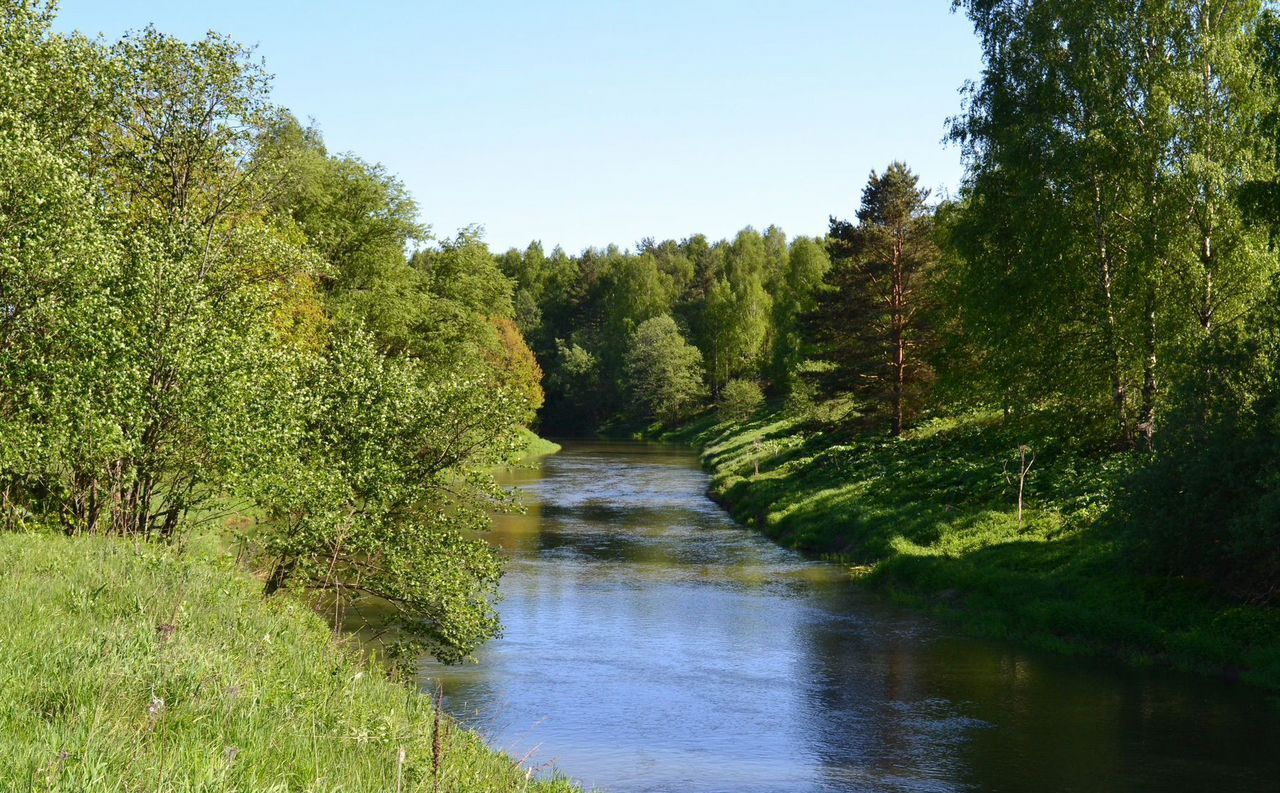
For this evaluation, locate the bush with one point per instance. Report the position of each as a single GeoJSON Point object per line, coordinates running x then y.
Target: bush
{"type": "Point", "coordinates": [739, 400]}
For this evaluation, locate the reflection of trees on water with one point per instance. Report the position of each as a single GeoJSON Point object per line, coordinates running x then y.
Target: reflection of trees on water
{"type": "Point", "coordinates": [647, 636]}
{"type": "Point", "coordinates": [872, 722]}
{"type": "Point", "coordinates": [892, 711]}
{"type": "Point", "coordinates": [1077, 725]}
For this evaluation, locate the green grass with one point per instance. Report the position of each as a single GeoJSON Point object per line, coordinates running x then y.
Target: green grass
{"type": "Point", "coordinates": [130, 667]}
{"type": "Point", "coordinates": [536, 445]}
{"type": "Point", "coordinates": [931, 518]}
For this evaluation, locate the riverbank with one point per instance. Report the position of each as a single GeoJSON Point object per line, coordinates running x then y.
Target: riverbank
{"type": "Point", "coordinates": [932, 519]}
{"type": "Point", "coordinates": [137, 667]}
{"type": "Point", "coordinates": [535, 445]}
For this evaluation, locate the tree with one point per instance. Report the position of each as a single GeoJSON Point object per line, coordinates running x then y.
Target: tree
{"type": "Point", "coordinates": [574, 384]}
{"type": "Point", "coordinates": [664, 371]}
{"type": "Point", "coordinates": [197, 302]}
{"type": "Point", "coordinates": [144, 393]}
{"type": "Point", "coordinates": [875, 321]}
{"type": "Point", "coordinates": [517, 366]}
{"type": "Point", "coordinates": [383, 487]}
{"type": "Point", "coordinates": [795, 297]}
{"type": "Point", "coordinates": [740, 302]}
{"type": "Point", "coordinates": [530, 272]}
{"type": "Point", "coordinates": [737, 313]}
{"type": "Point", "coordinates": [1105, 145]}
{"type": "Point", "coordinates": [1208, 506]}
{"type": "Point", "coordinates": [739, 400]}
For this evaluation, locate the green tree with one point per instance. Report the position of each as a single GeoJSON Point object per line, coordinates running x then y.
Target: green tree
{"type": "Point", "coordinates": [575, 386]}
{"type": "Point", "coordinates": [1208, 507]}
{"type": "Point", "coordinates": [385, 482]}
{"type": "Point", "coordinates": [876, 320]}
{"type": "Point", "coordinates": [1106, 146]}
{"type": "Point", "coordinates": [739, 400]}
{"type": "Point", "coordinates": [736, 319]}
{"type": "Point", "coordinates": [145, 394]}
{"type": "Point", "coordinates": [198, 302]}
{"type": "Point", "coordinates": [664, 372]}
{"type": "Point", "coordinates": [795, 298]}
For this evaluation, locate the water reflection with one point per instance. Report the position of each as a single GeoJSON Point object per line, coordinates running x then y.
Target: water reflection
{"type": "Point", "coordinates": [652, 645]}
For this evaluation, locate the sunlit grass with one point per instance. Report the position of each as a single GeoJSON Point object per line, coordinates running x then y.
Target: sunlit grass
{"type": "Point", "coordinates": [535, 445]}
{"type": "Point", "coordinates": [133, 667]}
{"type": "Point", "coordinates": [931, 517]}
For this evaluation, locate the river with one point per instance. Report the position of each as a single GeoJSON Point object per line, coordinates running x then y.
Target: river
{"type": "Point", "coordinates": [651, 644]}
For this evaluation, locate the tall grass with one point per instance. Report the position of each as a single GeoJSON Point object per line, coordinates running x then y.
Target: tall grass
{"type": "Point", "coordinates": [137, 668]}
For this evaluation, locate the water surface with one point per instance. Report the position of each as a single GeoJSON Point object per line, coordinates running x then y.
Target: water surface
{"type": "Point", "coordinates": [653, 645]}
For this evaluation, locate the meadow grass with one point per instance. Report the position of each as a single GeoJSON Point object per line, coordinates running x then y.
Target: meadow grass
{"type": "Point", "coordinates": [134, 667]}
{"type": "Point", "coordinates": [535, 445]}
{"type": "Point", "coordinates": [931, 518]}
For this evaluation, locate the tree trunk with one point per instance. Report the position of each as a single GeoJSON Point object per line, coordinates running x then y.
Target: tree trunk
{"type": "Point", "coordinates": [1206, 261]}
{"type": "Point", "coordinates": [899, 337]}
{"type": "Point", "coordinates": [1119, 393]}
{"type": "Point", "coordinates": [279, 576]}
{"type": "Point", "coordinates": [1147, 416]}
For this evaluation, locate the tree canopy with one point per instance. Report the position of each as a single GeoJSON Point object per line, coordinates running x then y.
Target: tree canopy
{"type": "Point", "coordinates": [202, 307]}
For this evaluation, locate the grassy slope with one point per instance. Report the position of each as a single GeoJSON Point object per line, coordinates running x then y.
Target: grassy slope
{"type": "Point", "coordinates": [932, 518]}
{"type": "Point", "coordinates": [130, 667]}
{"type": "Point", "coordinates": [536, 445]}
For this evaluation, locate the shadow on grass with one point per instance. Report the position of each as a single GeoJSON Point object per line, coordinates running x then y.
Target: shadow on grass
{"type": "Point", "coordinates": [935, 513]}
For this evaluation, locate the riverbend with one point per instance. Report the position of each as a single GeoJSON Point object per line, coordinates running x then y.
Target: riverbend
{"type": "Point", "coordinates": [651, 644]}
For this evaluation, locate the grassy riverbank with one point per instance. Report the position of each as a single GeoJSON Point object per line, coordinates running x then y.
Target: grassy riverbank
{"type": "Point", "coordinates": [136, 667]}
{"type": "Point", "coordinates": [535, 445]}
{"type": "Point", "coordinates": [932, 518]}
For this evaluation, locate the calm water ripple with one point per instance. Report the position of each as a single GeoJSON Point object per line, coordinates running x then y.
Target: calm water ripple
{"type": "Point", "coordinates": [653, 645]}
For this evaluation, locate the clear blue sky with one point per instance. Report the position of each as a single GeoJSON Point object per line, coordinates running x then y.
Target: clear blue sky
{"type": "Point", "coordinates": [585, 122]}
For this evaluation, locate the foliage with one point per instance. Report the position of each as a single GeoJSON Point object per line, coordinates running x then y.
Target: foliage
{"type": "Point", "coordinates": [737, 312]}
{"type": "Point", "coordinates": [517, 364]}
{"type": "Point", "coordinates": [134, 400]}
{"type": "Point", "coordinates": [874, 321]}
{"type": "Point", "coordinates": [664, 372]}
{"type": "Point", "coordinates": [575, 383]}
{"type": "Point", "coordinates": [382, 488]}
{"type": "Point", "coordinates": [739, 302]}
{"type": "Point", "coordinates": [739, 400]}
{"type": "Point", "coordinates": [796, 296]}
{"type": "Point", "coordinates": [1106, 145]}
{"type": "Point", "coordinates": [200, 304]}
{"type": "Point", "coordinates": [1209, 507]}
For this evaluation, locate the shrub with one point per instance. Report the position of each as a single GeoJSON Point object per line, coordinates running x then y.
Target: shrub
{"type": "Point", "coordinates": [739, 400]}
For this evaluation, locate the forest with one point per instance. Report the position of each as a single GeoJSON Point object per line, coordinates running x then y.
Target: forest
{"type": "Point", "coordinates": [1105, 280]}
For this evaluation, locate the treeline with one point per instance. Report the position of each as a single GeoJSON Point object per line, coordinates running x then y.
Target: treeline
{"type": "Point", "coordinates": [1105, 277]}
{"type": "Point", "coordinates": [659, 331]}
{"type": "Point", "coordinates": [204, 311]}
{"type": "Point", "coordinates": [673, 327]}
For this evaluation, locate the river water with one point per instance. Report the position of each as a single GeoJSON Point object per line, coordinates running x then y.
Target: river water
{"type": "Point", "coordinates": [653, 645]}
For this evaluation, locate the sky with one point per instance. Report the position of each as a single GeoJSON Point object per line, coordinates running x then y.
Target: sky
{"type": "Point", "coordinates": [588, 122]}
